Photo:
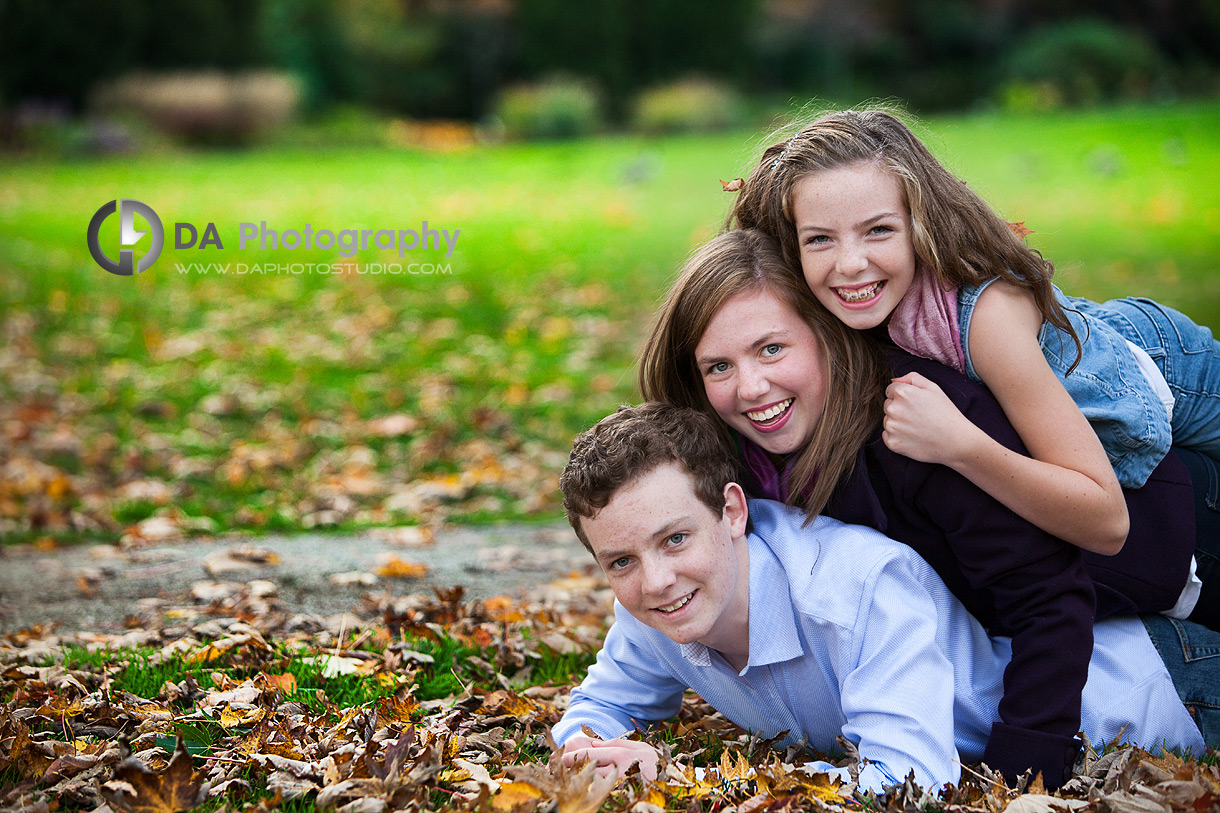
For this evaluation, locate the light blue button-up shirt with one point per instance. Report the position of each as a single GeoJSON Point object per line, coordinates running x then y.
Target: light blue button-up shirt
{"type": "Point", "coordinates": [852, 633]}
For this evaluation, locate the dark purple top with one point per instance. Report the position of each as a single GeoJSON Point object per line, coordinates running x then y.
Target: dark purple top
{"type": "Point", "coordinates": [1016, 579]}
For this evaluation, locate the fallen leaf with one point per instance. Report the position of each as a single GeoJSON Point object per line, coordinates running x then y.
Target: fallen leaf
{"type": "Point", "coordinates": [392, 426]}
{"type": "Point", "coordinates": [1020, 230]}
{"type": "Point", "coordinates": [137, 789]}
{"type": "Point", "coordinates": [575, 789]}
{"type": "Point", "coordinates": [1041, 803]}
{"type": "Point", "coordinates": [393, 567]}
{"type": "Point", "coordinates": [516, 797]}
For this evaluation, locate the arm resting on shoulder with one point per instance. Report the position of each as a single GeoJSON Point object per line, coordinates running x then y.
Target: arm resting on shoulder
{"type": "Point", "coordinates": [1042, 596]}
{"type": "Point", "coordinates": [1066, 485]}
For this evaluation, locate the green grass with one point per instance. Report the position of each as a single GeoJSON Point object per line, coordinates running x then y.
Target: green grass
{"type": "Point", "coordinates": [451, 672]}
{"type": "Point", "coordinates": [564, 252]}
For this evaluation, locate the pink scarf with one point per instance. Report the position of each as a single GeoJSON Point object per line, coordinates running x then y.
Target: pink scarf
{"type": "Point", "coordinates": [925, 322]}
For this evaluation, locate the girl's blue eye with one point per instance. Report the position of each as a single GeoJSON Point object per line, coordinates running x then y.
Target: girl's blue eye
{"type": "Point", "coordinates": [881, 229]}
{"type": "Point", "coordinates": [772, 349]}
{"type": "Point", "coordinates": [817, 239]}
{"type": "Point", "coordinates": [620, 563]}
{"type": "Point", "coordinates": [718, 367]}
{"type": "Point", "coordinates": [676, 539]}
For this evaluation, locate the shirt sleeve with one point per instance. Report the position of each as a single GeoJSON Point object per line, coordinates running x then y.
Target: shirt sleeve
{"type": "Point", "coordinates": [625, 689]}
{"type": "Point", "coordinates": [898, 693]}
{"type": "Point", "coordinates": [1041, 595]}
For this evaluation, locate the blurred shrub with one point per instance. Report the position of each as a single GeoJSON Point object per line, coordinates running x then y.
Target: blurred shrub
{"type": "Point", "coordinates": [1079, 62]}
{"type": "Point", "coordinates": [557, 108]}
{"type": "Point", "coordinates": [342, 126]}
{"type": "Point", "coordinates": [48, 128]}
{"type": "Point", "coordinates": [205, 107]}
{"type": "Point", "coordinates": [1030, 97]}
{"type": "Point", "coordinates": [435, 135]}
{"type": "Point", "coordinates": [691, 105]}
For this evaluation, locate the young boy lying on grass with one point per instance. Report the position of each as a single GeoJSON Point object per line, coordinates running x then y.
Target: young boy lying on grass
{"type": "Point", "coordinates": [820, 630]}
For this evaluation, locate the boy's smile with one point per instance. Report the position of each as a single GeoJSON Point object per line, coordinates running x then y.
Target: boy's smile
{"type": "Point", "coordinates": [676, 565]}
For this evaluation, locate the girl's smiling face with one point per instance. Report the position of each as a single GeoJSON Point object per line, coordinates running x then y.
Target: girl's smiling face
{"type": "Point", "coordinates": [763, 371]}
{"type": "Point", "coordinates": [854, 233]}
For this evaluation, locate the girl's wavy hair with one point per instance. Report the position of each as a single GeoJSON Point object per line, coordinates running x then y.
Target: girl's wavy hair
{"type": "Point", "coordinates": [747, 261]}
{"type": "Point", "coordinates": [956, 234]}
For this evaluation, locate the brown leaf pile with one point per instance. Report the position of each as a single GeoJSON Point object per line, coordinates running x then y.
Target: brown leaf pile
{"type": "Point", "coordinates": [71, 738]}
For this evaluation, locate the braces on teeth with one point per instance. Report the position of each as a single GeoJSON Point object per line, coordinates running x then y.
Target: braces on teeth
{"type": "Point", "coordinates": [860, 294]}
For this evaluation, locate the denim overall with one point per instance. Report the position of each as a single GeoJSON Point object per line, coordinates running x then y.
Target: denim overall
{"type": "Point", "coordinates": [1109, 387]}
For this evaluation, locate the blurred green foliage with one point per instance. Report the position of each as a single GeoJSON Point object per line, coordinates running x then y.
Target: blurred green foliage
{"type": "Point", "coordinates": [246, 393]}
{"type": "Point", "coordinates": [688, 106]}
{"type": "Point", "coordinates": [561, 107]}
{"type": "Point", "coordinates": [1086, 61]}
{"type": "Point", "coordinates": [451, 58]}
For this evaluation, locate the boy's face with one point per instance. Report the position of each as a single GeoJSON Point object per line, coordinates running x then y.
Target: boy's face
{"type": "Point", "coordinates": [675, 564]}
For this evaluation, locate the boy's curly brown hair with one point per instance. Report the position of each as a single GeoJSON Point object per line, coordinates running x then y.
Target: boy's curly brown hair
{"type": "Point", "coordinates": [633, 441]}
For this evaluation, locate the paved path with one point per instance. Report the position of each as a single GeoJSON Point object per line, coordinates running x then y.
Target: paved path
{"type": "Point", "coordinates": [93, 587]}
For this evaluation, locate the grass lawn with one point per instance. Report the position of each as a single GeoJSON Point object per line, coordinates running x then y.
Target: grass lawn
{"type": "Point", "coordinates": [194, 402]}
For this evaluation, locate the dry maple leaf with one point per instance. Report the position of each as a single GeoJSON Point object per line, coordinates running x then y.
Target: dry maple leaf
{"type": "Point", "coordinates": [136, 789]}
{"type": "Point", "coordinates": [503, 701]}
{"type": "Point", "coordinates": [1020, 230]}
{"type": "Point", "coordinates": [396, 709]}
{"type": "Point", "coordinates": [285, 683]}
{"type": "Point", "coordinates": [573, 789]}
{"type": "Point", "coordinates": [232, 718]}
{"type": "Point", "coordinates": [516, 797]}
{"type": "Point", "coordinates": [734, 185]}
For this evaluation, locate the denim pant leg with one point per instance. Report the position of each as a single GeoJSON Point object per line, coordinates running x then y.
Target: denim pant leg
{"type": "Point", "coordinates": [1187, 355]}
{"type": "Point", "coordinates": [1192, 655]}
{"type": "Point", "coordinates": [1205, 478]}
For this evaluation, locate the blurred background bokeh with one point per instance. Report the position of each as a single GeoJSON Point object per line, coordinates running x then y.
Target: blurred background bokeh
{"type": "Point", "coordinates": [576, 147]}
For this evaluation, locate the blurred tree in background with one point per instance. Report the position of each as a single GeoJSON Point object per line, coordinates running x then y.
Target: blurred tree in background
{"type": "Point", "coordinates": [451, 58]}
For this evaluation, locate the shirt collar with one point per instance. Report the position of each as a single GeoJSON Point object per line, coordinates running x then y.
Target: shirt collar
{"type": "Point", "coordinates": [773, 632]}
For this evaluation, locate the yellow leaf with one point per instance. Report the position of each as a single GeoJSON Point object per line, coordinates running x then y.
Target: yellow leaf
{"type": "Point", "coordinates": [211, 651]}
{"type": "Point", "coordinates": [733, 769]}
{"type": "Point", "coordinates": [397, 568]}
{"type": "Point", "coordinates": [147, 711]}
{"type": "Point", "coordinates": [394, 710]}
{"type": "Point", "coordinates": [231, 717]}
{"type": "Point", "coordinates": [653, 796]}
{"type": "Point", "coordinates": [60, 707]}
{"type": "Point", "coordinates": [58, 487]}
{"type": "Point", "coordinates": [503, 701]}
{"type": "Point", "coordinates": [389, 680]}
{"type": "Point", "coordinates": [516, 796]}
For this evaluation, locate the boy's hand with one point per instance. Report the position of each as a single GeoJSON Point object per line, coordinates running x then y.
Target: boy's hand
{"type": "Point", "coordinates": [922, 423]}
{"type": "Point", "coordinates": [617, 755]}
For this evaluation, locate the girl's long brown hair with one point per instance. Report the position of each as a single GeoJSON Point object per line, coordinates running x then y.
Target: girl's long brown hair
{"type": "Point", "coordinates": [746, 261]}
{"type": "Point", "coordinates": [956, 234]}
